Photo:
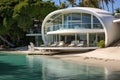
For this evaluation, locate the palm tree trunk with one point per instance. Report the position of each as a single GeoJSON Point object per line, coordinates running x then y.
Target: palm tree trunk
{"type": "Point", "coordinates": [103, 5]}
{"type": "Point", "coordinates": [107, 7]}
{"type": "Point", "coordinates": [112, 2]}
{"type": "Point", "coordinates": [60, 2]}
{"type": "Point", "coordinates": [6, 41]}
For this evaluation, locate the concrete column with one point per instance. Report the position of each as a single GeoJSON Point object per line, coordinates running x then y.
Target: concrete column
{"type": "Point", "coordinates": [81, 20]}
{"type": "Point", "coordinates": [75, 37]}
{"type": "Point", "coordinates": [65, 39]}
{"type": "Point", "coordinates": [52, 38]}
{"type": "Point", "coordinates": [56, 37]}
{"type": "Point", "coordinates": [62, 20]}
{"type": "Point", "coordinates": [36, 41]}
{"type": "Point", "coordinates": [87, 39]}
{"type": "Point", "coordinates": [59, 38]}
{"type": "Point", "coordinates": [91, 21]}
{"type": "Point", "coordinates": [96, 39]}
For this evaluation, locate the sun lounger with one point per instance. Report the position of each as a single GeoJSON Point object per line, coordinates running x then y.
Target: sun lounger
{"type": "Point", "coordinates": [81, 44]}
{"type": "Point", "coordinates": [43, 45]}
{"type": "Point", "coordinates": [61, 43]}
{"type": "Point", "coordinates": [72, 44]}
{"type": "Point", "coordinates": [54, 44]}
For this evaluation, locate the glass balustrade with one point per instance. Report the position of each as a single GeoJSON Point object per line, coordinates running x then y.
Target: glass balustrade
{"type": "Point", "coordinates": [75, 26]}
{"type": "Point", "coordinates": [73, 21]}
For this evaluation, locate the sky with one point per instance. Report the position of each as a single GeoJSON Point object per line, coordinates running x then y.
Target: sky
{"type": "Point", "coordinates": [116, 4]}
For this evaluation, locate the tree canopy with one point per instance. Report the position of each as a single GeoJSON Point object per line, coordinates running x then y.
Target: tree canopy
{"type": "Point", "coordinates": [25, 11]}
{"type": "Point", "coordinates": [16, 16]}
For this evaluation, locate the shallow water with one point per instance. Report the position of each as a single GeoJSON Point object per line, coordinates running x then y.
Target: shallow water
{"type": "Point", "coordinates": [25, 67]}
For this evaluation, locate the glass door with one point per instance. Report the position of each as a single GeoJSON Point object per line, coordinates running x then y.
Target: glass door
{"type": "Point", "coordinates": [92, 40]}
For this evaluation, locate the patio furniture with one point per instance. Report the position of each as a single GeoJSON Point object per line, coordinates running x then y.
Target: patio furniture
{"type": "Point", "coordinates": [54, 44]}
{"type": "Point", "coordinates": [76, 42]}
{"type": "Point", "coordinates": [72, 44]}
{"type": "Point", "coordinates": [31, 46]}
{"type": "Point", "coordinates": [81, 44]}
{"type": "Point", "coordinates": [42, 45]}
{"type": "Point", "coordinates": [61, 43]}
{"type": "Point", "coordinates": [94, 43]}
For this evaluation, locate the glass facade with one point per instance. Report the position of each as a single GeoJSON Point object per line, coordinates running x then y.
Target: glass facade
{"type": "Point", "coordinates": [90, 40]}
{"type": "Point", "coordinates": [74, 21]}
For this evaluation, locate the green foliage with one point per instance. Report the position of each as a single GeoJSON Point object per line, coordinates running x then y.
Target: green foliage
{"type": "Point", "coordinates": [24, 12]}
{"type": "Point", "coordinates": [6, 12]}
{"type": "Point", "coordinates": [16, 17]}
{"type": "Point", "coordinates": [117, 10]}
{"type": "Point", "coordinates": [90, 3]}
{"type": "Point", "coordinates": [21, 16]}
{"type": "Point", "coordinates": [101, 44]}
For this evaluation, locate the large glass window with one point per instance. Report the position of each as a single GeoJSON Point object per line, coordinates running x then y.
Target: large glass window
{"type": "Point", "coordinates": [67, 17]}
{"type": "Point", "coordinates": [96, 23]}
{"type": "Point", "coordinates": [73, 21]}
{"type": "Point", "coordinates": [76, 16]}
{"type": "Point", "coordinates": [86, 20]}
{"type": "Point", "coordinates": [94, 38]}
{"type": "Point", "coordinates": [86, 40]}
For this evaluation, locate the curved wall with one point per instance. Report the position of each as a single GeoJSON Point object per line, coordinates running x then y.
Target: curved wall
{"type": "Point", "coordinates": [105, 18]}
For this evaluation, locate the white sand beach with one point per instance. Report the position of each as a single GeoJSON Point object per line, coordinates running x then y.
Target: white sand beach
{"type": "Point", "coordinates": [108, 57]}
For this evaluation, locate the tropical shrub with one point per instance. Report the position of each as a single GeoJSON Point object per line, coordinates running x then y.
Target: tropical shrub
{"type": "Point", "coordinates": [101, 44]}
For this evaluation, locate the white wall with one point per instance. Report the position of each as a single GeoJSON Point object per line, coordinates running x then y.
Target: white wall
{"type": "Point", "coordinates": [112, 30]}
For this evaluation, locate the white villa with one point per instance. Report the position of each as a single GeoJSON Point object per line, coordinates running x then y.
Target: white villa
{"type": "Point", "coordinates": [80, 26]}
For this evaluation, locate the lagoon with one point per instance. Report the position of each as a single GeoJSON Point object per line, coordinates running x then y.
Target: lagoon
{"type": "Point", "coordinates": [29, 67]}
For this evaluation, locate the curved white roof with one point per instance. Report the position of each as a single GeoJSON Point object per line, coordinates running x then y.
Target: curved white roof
{"type": "Point", "coordinates": [98, 12]}
{"type": "Point", "coordinates": [105, 18]}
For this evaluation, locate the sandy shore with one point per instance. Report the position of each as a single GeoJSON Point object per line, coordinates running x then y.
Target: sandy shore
{"type": "Point", "coordinates": [105, 57]}
{"type": "Point", "coordinates": [108, 57]}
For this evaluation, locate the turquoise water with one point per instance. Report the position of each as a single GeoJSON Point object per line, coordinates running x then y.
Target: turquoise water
{"type": "Point", "coordinates": [26, 67]}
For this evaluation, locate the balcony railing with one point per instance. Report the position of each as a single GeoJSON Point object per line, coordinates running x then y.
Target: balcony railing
{"type": "Point", "coordinates": [75, 26]}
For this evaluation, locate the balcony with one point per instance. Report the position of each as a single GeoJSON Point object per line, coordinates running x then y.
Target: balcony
{"type": "Point", "coordinates": [75, 26]}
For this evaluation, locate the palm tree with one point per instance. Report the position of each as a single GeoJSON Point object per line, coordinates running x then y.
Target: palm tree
{"type": "Point", "coordinates": [102, 1]}
{"type": "Point", "coordinates": [81, 3]}
{"type": "Point", "coordinates": [60, 2]}
{"type": "Point", "coordinates": [72, 2]}
{"type": "Point", "coordinates": [90, 3]}
{"type": "Point", "coordinates": [117, 10]}
{"type": "Point", "coordinates": [112, 2]}
{"type": "Point", "coordinates": [63, 5]}
{"type": "Point", "coordinates": [107, 2]}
